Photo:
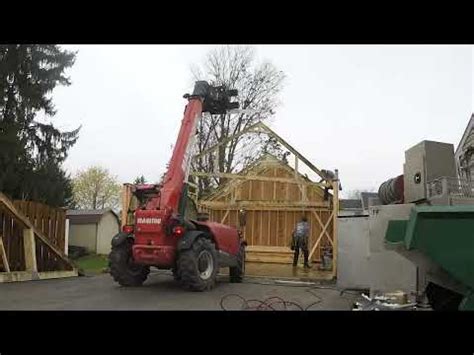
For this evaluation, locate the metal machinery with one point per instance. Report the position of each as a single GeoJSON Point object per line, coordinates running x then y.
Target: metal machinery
{"type": "Point", "coordinates": [160, 232]}
{"type": "Point", "coordinates": [438, 234]}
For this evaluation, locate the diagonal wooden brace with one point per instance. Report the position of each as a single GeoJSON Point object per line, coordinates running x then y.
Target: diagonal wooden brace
{"type": "Point", "coordinates": [321, 236]}
{"type": "Point", "coordinates": [3, 253]}
{"type": "Point", "coordinates": [322, 225]}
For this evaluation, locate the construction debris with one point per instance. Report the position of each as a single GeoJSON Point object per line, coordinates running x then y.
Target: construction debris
{"type": "Point", "coordinates": [385, 302]}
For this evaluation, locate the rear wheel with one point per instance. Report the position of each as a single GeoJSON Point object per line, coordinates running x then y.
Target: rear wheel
{"type": "Point", "coordinates": [198, 266]}
{"type": "Point", "coordinates": [236, 273]}
{"type": "Point", "coordinates": [123, 269]}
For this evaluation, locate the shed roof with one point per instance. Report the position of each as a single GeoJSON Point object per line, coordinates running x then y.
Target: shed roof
{"type": "Point", "coordinates": [350, 204]}
{"type": "Point", "coordinates": [87, 216]}
{"type": "Point", "coordinates": [465, 136]}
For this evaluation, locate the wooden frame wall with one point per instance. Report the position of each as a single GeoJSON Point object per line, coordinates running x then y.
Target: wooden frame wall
{"type": "Point", "coordinates": [27, 253]}
{"type": "Point", "coordinates": [224, 211]}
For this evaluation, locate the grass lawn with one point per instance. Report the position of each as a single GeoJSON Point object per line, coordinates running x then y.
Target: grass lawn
{"type": "Point", "coordinates": [92, 263]}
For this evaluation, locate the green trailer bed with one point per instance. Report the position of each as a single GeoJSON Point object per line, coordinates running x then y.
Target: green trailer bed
{"type": "Point", "coordinates": [445, 234]}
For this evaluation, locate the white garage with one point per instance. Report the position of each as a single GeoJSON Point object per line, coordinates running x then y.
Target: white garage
{"type": "Point", "coordinates": [92, 229]}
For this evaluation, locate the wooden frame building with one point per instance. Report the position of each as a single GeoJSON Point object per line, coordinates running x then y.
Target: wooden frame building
{"type": "Point", "coordinates": [272, 197]}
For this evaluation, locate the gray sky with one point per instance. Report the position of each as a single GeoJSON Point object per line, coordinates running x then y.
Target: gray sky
{"type": "Point", "coordinates": [354, 108]}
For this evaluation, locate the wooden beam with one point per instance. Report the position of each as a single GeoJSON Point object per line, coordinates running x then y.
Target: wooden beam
{"type": "Point", "coordinates": [335, 213]}
{"type": "Point", "coordinates": [125, 203]}
{"type": "Point", "coordinates": [29, 276]}
{"type": "Point", "coordinates": [3, 252]}
{"type": "Point", "coordinates": [227, 140]}
{"type": "Point", "coordinates": [225, 216]}
{"type": "Point", "coordinates": [292, 150]}
{"type": "Point", "coordinates": [264, 208]}
{"type": "Point", "coordinates": [321, 224]}
{"type": "Point", "coordinates": [260, 127]}
{"type": "Point", "coordinates": [320, 236]}
{"type": "Point", "coordinates": [296, 168]}
{"type": "Point", "coordinates": [257, 178]}
{"type": "Point", "coordinates": [246, 204]}
{"type": "Point", "coordinates": [269, 217]}
{"type": "Point", "coordinates": [29, 246]}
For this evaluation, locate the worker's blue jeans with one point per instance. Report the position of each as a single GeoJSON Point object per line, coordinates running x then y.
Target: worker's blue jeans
{"type": "Point", "coordinates": [303, 245]}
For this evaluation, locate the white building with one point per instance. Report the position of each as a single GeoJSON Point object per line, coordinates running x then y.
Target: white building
{"type": "Point", "coordinates": [92, 229]}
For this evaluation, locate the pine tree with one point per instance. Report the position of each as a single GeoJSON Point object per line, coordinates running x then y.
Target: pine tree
{"type": "Point", "coordinates": [31, 148]}
{"type": "Point", "coordinates": [139, 180]}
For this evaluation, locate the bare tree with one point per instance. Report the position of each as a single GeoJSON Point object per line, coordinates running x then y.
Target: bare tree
{"type": "Point", "coordinates": [259, 85]}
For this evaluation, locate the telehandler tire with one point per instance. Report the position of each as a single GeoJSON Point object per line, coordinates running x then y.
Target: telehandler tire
{"type": "Point", "coordinates": [122, 268]}
{"type": "Point", "coordinates": [198, 266]}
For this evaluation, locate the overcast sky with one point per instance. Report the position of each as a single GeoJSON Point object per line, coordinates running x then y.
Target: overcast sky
{"type": "Point", "coordinates": [352, 108]}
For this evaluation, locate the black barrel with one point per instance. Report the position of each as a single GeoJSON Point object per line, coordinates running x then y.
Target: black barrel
{"type": "Point", "coordinates": [392, 191]}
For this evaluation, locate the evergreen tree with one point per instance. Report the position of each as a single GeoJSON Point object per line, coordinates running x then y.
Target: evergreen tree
{"type": "Point", "coordinates": [31, 148]}
{"type": "Point", "coordinates": [139, 180]}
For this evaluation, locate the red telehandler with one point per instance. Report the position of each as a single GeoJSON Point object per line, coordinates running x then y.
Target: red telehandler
{"type": "Point", "coordinates": [161, 234]}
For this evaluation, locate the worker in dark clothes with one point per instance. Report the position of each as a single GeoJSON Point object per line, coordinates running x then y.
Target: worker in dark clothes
{"type": "Point", "coordinates": [300, 241]}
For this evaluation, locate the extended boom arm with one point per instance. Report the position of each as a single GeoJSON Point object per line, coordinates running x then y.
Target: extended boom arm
{"type": "Point", "coordinates": [205, 98]}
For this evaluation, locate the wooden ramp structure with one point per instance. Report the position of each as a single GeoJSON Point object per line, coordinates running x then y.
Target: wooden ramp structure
{"type": "Point", "coordinates": [32, 242]}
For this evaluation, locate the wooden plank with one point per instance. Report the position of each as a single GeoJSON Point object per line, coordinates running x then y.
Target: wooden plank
{"type": "Point", "coordinates": [268, 259]}
{"type": "Point", "coordinates": [30, 250]}
{"type": "Point", "coordinates": [274, 184]}
{"type": "Point", "coordinates": [16, 276]}
{"type": "Point", "coordinates": [267, 208]}
{"type": "Point", "coordinates": [3, 253]}
{"type": "Point", "coordinates": [62, 231]}
{"type": "Point", "coordinates": [126, 200]}
{"type": "Point", "coordinates": [283, 205]}
{"type": "Point", "coordinates": [256, 178]}
{"type": "Point", "coordinates": [277, 229]}
{"type": "Point", "coordinates": [225, 216]}
{"type": "Point", "coordinates": [334, 230]}
{"type": "Point", "coordinates": [268, 249]}
{"type": "Point", "coordinates": [269, 254]}
{"type": "Point", "coordinates": [38, 219]}
{"type": "Point", "coordinates": [8, 239]}
{"type": "Point", "coordinates": [52, 226]}
{"type": "Point", "coordinates": [269, 231]}
{"type": "Point", "coordinates": [252, 233]}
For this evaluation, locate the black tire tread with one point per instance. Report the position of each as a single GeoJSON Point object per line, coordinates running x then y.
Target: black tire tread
{"type": "Point", "coordinates": [187, 266]}
{"type": "Point", "coordinates": [119, 268]}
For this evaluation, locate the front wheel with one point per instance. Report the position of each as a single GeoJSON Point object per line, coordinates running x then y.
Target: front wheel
{"type": "Point", "coordinates": [198, 266]}
{"type": "Point", "coordinates": [123, 269]}
{"type": "Point", "coordinates": [237, 273]}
